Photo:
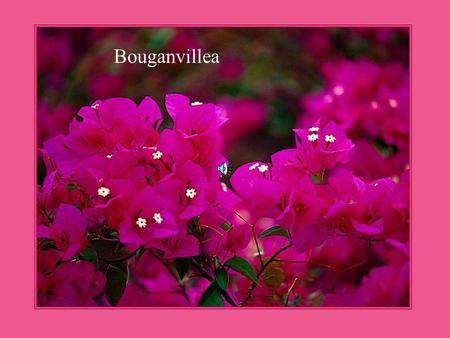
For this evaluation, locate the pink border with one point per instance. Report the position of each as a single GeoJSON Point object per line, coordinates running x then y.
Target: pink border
{"type": "Point", "coordinates": [189, 308]}
{"type": "Point", "coordinates": [431, 53]}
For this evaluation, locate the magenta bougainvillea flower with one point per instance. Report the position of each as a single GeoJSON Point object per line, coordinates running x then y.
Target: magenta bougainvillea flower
{"type": "Point", "coordinates": [67, 230]}
{"type": "Point", "coordinates": [369, 100]}
{"type": "Point", "coordinates": [149, 217]}
{"type": "Point", "coordinates": [153, 285]}
{"type": "Point", "coordinates": [68, 284]}
{"type": "Point", "coordinates": [363, 96]}
{"type": "Point", "coordinates": [246, 116]}
{"type": "Point", "coordinates": [322, 147]}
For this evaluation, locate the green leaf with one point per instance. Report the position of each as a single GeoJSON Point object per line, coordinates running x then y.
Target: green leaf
{"type": "Point", "coordinates": [45, 244]}
{"type": "Point", "coordinates": [193, 227]}
{"type": "Point", "coordinates": [89, 255]}
{"type": "Point", "coordinates": [211, 296]}
{"type": "Point", "coordinates": [226, 226]}
{"type": "Point", "coordinates": [318, 300]}
{"type": "Point", "coordinates": [182, 266]}
{"type": "Point", "coordinates": [116, 281]}
{"type": "Point", "coordinates": [315, 178]}
{"type": "Point", "coordinates": [71, 186]}
{"type": "Point", "coordinates": [240, 265]}
{"type": "Point", "coordinates": [276, 230]}
{"type": "Point", "coordinates": [320, 177]}
{"type": "Point", "coordinates": [315, 272]}
{"type": "Point", "coordinates": [384, 149]}
{"type": "Point", "coordinates": [216, 262]}
{"type": "Point", "coordinates": [315, 298]}
{"type": "Point", "coordinates": [274, 276]}
{"type": "Point", "coordinates": [138, 254]}
{"type": "Point", "coordinates": [296, 301]}
{"type": "Point", "coordinates": [222, 278]}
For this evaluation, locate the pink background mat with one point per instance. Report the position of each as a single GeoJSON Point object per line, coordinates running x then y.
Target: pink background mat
{"type": "Point", "coordinates": [430, 229]}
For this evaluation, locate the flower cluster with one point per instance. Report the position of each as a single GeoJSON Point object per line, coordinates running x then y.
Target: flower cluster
{"type": "Point", "coordinates": [115, 177]}
{"type": "Point", "coordinates": [134, 214]}
{"type": "Point", "coordinates": [371, 104]}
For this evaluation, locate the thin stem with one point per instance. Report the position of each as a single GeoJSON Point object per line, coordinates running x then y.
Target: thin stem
{"type": "Point", "coordinates": [252, 227]}
{"type": "Point", "coordinates": [305, 262]}
{"type": "Point", "coordinates": [119, 259]}
{"type": "Point", "coordinates": [309, 280]}
{"type": "Point", "coordinates": [215, 230]}
{"type": "Point", "coordinates": [261, 271]}
{"type": "Point", "coordinates": [174, 273]}
{"type": "Point", "coordinates": [353, 266]}
{"type": "Point", "coordinates": [101, 238]}
{"type": "Point", "coordinates": [356, 237]}
{"type": "Point", "coordinates": [291, 288]}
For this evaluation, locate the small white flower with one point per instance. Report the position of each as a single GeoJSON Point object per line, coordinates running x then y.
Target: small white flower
{"type": "Point", "coordinates": [263, 168]}
{"type": "Point", "coordinates": [313, 129]}
{"type": "Point", "coordinates": [374, 104]}
{"type": "Point", "coordinates": [157, 217]}
{"type": "Point", "coordinates": [328, 98]}
{"type": "Point", "coordinates": [141, 222]}
{"type": "Point", "coordinates": [338, 90]}
{"type": "Point", "coordinates": [95, 106]}
{"type": "Point", "coordinates": [109, 156]}
{"type": "Point", "coordinates": [253, 166]}
{"type": "Point", "coordinates": [313, 137]}
{"type": "Point", "coordinates": [393, 103]}
{"type": "Point", "coordinates": [191, 193]}
{"type": "Point", "coordinates": [103, 191]}
{"type": "Point", "coordinates": [224, 187]}
{"type": "Point", "coordinates": [196, 103]}
{"type": "Point", "coordinates": [330, 138]}
{"type": "Point", "coordinates": [157, 155]}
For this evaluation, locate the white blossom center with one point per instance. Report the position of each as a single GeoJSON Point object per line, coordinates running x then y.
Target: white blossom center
{"type": "Point", "coordinates": [158, 218]}
{"type": "Point", "coordinates": [103, 191]}
{"type": "Point", "coordinates": [157, 155]}
{"type": "Point", "coordinates": [191, 193]}
{"type": "Point", "coordinates": [330, 138]}
{"type": "Point", "coordinates": [141, 222]}
{"type": "Point", "coordinates": [313, 137]}
{"type": "Point", "coordinates": [253, 166]}
{"type": "Point", "coordinates": [263, 168]}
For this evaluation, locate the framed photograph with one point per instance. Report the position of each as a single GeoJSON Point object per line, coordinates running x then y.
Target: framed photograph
{"type": "Point", "coordinates": [223, 166]}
